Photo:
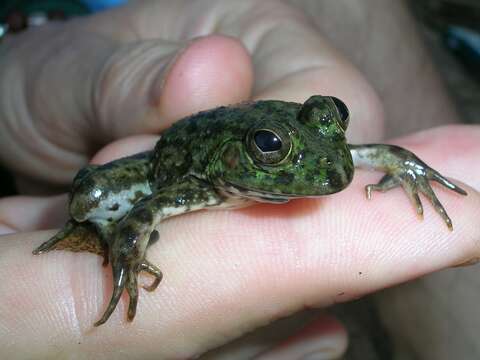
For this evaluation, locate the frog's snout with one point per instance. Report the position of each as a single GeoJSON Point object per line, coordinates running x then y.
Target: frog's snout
{"type": "Point", "coordinates": [97, 199]}
{"type": "Point", "coordinates": [340, 175]}
{"type": "Point", "coordinates": [82, 202]}
{"type": "Point", "coordinates": [329, 173]}
{"type": "Point", "coordinates": [83, 185]}
{"type": "Point", "coordinates": [87, 197]}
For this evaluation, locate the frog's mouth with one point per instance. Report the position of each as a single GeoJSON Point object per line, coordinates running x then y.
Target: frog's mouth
{"type": "Point", "coordinates": [259, 195]}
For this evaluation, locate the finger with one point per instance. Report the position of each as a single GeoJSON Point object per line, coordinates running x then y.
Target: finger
{"type": "Point", "coordinates": [118, 88]}
{"type": "Point", "coordinates": [285, 67]}
{"type": "Point", "coordinates": [28, 213]}
{"type": "Point", "coordinates": [279, 334]}
{"type": "Point", "coordinates": [232, 271]}
{"type": "Point", "coordinates": [141, 91]}
{"type": "Point", "coordinates": [125, 147]}
{"type": "Point", "coordinates": [227, 273]}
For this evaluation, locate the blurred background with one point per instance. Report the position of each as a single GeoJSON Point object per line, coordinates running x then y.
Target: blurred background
{"type": "Point", "coordinates": [451, 29]}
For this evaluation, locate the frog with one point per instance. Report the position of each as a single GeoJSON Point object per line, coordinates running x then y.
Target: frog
{"type": "Point", "coordinates": [226, 158]}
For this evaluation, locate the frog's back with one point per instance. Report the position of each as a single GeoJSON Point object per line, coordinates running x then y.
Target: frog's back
{"type": "Point", "coordinates": [189, 145]}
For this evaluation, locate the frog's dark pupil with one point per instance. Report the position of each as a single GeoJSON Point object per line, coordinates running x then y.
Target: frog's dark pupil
{"type": "Point", "coordinates": [342, 108]}
{"type": "Point", "coordinates": [267, 141]}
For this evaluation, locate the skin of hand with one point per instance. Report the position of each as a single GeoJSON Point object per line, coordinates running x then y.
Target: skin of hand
{"type": "Point", "coordinates": [144, 66]}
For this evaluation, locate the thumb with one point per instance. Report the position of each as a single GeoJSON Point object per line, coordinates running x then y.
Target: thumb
{"type": "Point", "coordinates": [146, 85]}
{"type": "Point", "coordinates": [65, 93]}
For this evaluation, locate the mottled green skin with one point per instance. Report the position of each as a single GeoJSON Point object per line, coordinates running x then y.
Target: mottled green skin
{"type": "Point", "coordinates": [216, 159]}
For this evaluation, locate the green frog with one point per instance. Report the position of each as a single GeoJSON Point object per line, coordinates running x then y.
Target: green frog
{"type": "Point", "coordinates": [227, 157]}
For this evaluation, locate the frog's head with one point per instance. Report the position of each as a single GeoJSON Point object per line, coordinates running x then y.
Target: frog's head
{"type": "Point", "coordinates": [304, 154]}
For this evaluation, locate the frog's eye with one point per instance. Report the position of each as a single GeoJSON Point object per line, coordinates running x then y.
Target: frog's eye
{"type": "Point", "coordinates": [267, 141]}
{"type": "Point", "coordinates": [268, 146]}
{"type": "Point", "coordinates": [342, 111]}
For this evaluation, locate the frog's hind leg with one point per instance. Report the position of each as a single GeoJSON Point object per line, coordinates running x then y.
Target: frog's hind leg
{"type": "Point", "coordinates": [136, 231]}
{"type": "Point", "coordinates": [77, 237]}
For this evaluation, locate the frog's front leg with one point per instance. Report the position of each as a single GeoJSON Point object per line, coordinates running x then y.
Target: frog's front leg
{"type": "Point", "coordinates": [137, 229]}
{"type": "Point", "coordinates": [403, 168]}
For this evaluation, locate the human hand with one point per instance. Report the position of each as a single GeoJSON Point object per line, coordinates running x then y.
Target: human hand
{"type": "Point", "coordinates": [290, 269]}
{"type": "Point", "coordinates": [135, 70]}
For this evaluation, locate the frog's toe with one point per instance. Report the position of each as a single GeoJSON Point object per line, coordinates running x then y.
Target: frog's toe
{"type": "Point", "coordinates": [132, 289]}
{"type": "Point", "coordinates": [54, 241]}
{"type": "Point", "coordinates": [120, 274]}
{"type": "Point", "coordinates": [426, 190]}
{"type": "Point", "coordinates": [76, 237]}
{"type": "Point", "coordinates": [411, 189]}
{"type": "Point", "coordinates": [152, 270]}
{"type": "Point", "coordinates": [436, 176]}
{"type": "Point", "coordinates": [386, 183]}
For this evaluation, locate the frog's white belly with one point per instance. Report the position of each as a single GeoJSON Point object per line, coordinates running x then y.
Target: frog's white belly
{"type": "Point", "coordinates": [116, 205]}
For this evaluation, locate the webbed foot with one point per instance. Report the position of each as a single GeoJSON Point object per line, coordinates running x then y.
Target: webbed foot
{"type": "Point", "coordinates": [413, 175]}
{"type": "Point", "coordinates": [136, 231]}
